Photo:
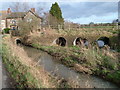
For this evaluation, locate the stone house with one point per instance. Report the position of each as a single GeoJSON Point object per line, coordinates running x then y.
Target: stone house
{"type": "Point", "coordinates": [2, 19]}
{"type": "Point", "coordinates": [12, 18]}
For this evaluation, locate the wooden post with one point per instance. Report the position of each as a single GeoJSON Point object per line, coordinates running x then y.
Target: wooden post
{"type": "Point", "coordinates": [69, 27]}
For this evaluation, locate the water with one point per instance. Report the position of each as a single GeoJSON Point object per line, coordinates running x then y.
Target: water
{"type": "Point", "coordinates": [54, 67]}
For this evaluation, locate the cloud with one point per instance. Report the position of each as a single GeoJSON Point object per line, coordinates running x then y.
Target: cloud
{"type": "Point", "coordinates": [101, 19]}
{"type": "Point", "coordinates": [81, 12]}
{"type": "Point", "coordinates": [86, 9]}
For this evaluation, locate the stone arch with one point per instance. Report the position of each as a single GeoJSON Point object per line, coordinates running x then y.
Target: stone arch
{"type": "Point", "coordinates": [61, 41]}
{"type": "Point", "coordinates": [80, 41]}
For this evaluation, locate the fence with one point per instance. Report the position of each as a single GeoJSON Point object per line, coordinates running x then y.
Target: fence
{"type": "Point", "coordinates": [78, 27]}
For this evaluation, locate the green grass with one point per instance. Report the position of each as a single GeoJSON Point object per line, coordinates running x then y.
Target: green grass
{"type": "Point", "coordinates": [114, 77]}
{"type": "Point", "coordinates": [19, 72]}
{"type": "Point", "coordinates": [98, 27]}
{"type": "Point", "coordinates": [99, 63]}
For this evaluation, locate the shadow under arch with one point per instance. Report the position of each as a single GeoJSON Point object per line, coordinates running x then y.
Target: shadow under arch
{"type": "Point", "coordinates": [102, 41]}
{"type": "Point", "coordinates": [80, 41]}
{"type": "Point", "coordinates": [61, 41]}
{"type": "Point", "coordinates": [17, 41]}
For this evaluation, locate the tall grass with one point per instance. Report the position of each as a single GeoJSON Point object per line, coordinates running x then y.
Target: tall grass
{"type": "Point", "coordinates": [25, 71]}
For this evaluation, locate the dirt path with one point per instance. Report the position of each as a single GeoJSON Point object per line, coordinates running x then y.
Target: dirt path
{"type": "Point", "coordinates": [5, 80]}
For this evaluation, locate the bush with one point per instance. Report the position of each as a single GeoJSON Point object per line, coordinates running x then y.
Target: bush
{"type": "Point", "coordinates": [6, 30]}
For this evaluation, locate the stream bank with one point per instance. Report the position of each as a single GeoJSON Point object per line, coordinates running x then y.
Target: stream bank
{"type": "Point", "coordinates": [102, 63]}
{"type": "Point", "coordinates": [29, 60]}
{"type": "Point", "coordinates": [55, 68]}
{"type": "Point", "coordinates": [24, 71]}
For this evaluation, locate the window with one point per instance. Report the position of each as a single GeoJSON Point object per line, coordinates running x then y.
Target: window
{"type": "Point", "coordinates": [29, 20]}
{"type": "Point", "coordinates": [14, 22]}
{"type": "Point", "coordinates": [13, 28]}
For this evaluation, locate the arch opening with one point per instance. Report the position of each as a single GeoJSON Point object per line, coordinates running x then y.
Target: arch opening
{"type": "Point", "coordinates": [80, 41]}
{"type": "Point", "coordinates": [18, 41]}
{"type": "Point", "coordinates": [61, 41]}
{"type": "Point", "coordinates": [102, 41]}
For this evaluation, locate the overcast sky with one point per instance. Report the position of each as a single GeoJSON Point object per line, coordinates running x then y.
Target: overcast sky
{"type": "Point", "coordinates": [81, 12]}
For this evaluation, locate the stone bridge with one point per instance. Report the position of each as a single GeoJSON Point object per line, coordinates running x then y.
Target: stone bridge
{"type": "Point", "coordinates": [71, 40]}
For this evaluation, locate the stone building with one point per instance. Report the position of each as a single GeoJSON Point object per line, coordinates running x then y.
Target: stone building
{"type": "Point", "coordinates": [11, 19]}
{"type": "Point", "coordinates": [2, 19]}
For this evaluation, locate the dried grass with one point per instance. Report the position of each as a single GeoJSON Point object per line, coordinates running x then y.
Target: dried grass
{"type": "Point", "coordinates": [39, 73]}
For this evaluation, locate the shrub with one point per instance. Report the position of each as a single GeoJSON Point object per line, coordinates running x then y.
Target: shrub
{"type": "Point", "coordinates": [6, 30]}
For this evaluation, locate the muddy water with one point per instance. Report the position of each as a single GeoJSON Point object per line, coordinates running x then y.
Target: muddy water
{"type": "Point", "coordinates": [55, 68]}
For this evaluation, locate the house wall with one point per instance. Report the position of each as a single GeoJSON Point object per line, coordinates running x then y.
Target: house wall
{"type": "Point", "coordinates": [2, 19]}
{"type": "Point", "coordinates": [10, 21]}
{"type": "Point", "coordinates": [31, 16]}
{"type": "Point", "coordinates": [27, 18]}
{"type": "Point", "coordinates": [2, 25]}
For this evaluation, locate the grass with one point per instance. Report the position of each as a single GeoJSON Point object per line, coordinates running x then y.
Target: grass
{"type": "Point", "coordinates": [114, 77]}
{"type": "Point", "coordinates": [101, 62]}
{"type": "Point", "coordinates": [26, 72]}
{"type": "Point", "coordinates": [18, 71]}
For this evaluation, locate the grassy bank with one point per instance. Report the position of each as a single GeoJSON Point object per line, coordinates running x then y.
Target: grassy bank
{"type": "Point", "coordinates": [26, 72]}
{"type": "Point", "coordinates": [18, 71]}
{"type": "Point", "coordinates": [103, 63]}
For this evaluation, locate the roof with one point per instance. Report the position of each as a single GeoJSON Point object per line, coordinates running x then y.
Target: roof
{"type": "Point", "coordinates": [4, 11]}
{"type": "Point", "coordinates": [3, 15]}
{"type": "Point", "coordinates": [16, 15]}
{"type": "Point", "coordinates": [20, 15]}
{"type": "Point", "coordinates": [35, 14]}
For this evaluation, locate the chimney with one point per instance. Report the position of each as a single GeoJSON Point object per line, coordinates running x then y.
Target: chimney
{"type": "Point", "coordinates": [33, 9]}
{"type": "Point", "coordinates": [8, 11]}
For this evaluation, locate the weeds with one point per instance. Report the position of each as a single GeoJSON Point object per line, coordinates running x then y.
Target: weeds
{"type": "Point", "coordinates": [25, 71]}
{"type": "Point", "coordinates": [101, 62]}
{"type": "Point", "coordinates": [18, 71]}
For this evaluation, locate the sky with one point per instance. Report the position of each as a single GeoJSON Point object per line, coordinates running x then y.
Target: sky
{"type": "Point", "coordinates": [79, 12]}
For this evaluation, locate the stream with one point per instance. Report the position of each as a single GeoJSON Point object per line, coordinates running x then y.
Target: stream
{"type": "Point", "coordinates": [55, 68]}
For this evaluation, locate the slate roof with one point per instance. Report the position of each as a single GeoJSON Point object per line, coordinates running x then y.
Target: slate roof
{"type": "Point", "coordinates": [20, 15]}
{"type": "Point", "coordinates": [16, 15]}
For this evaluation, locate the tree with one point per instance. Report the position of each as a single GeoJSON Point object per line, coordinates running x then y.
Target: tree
{"type": "Point", "coordinates": [56, 14]}
{"type": "Point", "coordinates": [91, 24]}
{"type": "Point", "coordinates": [115, 21]}
{"type": "Point", "coordinates": [25, 6]}
{"type": "Point", "coordinates": [26, 27]}
{"type": "Point", "coordinates": [20, 6]}
{"type": "Point", "coordinates": [6, 30]}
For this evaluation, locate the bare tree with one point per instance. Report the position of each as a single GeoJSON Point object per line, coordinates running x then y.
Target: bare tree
{"type": "Point", "coordinates": [40, 8]}
{"type": "Point", "coordinates": [27, 26]}
{"type": "Point", "coordinates": [70, 25]}
{"type": "Point", "coordinates": [31, 24]}
{"type": "Point", "coordinates": [20, 6]}
{"type": "Point", "coordinates": [50, 20]}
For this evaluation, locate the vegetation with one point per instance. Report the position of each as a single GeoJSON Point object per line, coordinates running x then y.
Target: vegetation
{"type": "Point", "coordinates": [26, 27]}
{"type": "Point", "coordinates": [119, 34]}
{"type": "Point", "coordinates": [90, 60]}
{"type": "Point", "coordinates": [6, 30]}
{"type": "Point", "coordinates": [93, 61]}
{"type": "Point", "coordinates": [25, 71]}
{"type": "Point", "coordinates": [56, 12]}
{"type": "Point", "coordinates": [18, 71]}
